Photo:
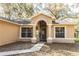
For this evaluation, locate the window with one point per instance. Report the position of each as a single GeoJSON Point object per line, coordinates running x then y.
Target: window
{"type": "Point", "coordinates": [26, 32]}
{"type": "Point", "coordinates": [59, 32]}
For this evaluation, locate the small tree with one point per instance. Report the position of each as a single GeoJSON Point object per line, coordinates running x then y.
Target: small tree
{"type": "Point", "coordinates": [18, 10]}
{"type": "Point", "coordinates": [58, 9]}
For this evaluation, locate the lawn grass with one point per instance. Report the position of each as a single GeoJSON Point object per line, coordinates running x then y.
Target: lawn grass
{"type": "Point", "coordinates": [77, 39]}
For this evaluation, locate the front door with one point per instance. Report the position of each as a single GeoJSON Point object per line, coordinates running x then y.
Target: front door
{"type": "Point", "coordinates": [42, 35]}
{"type": "Point", "coordinates": [42, 31]}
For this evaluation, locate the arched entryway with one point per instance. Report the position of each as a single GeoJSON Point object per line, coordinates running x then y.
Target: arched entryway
{"type": "Point", "coordinates": [42, 30]}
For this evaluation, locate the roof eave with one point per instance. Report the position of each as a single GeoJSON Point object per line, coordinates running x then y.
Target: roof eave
{"type": "Point", "coordinates": [9, 21]}
{"type": "Point", "coordinates": [64, 24]}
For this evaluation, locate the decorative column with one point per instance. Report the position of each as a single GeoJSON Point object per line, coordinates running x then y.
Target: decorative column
{"type": "Point", "coordinates": [34, 40]}
{"type": "Point", "coordinates": [49, 38]}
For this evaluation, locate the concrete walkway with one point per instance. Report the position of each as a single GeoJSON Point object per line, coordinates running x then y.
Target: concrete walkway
{"type": "Point", "coordinates": [36, 47]}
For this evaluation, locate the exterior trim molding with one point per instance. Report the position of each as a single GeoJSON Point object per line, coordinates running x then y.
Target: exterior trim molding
{"type": "Point", "coordinates": [60, 26]}
{"type": "Point", "coordinates": [20, 34]}
{"type": "Point", "coordinates": [49, 40]}
{"type": "Point", "coordinates": [34, 40]}
{"type": "Point", "coordinates": [43, 14]}
{"type": "Point", "coordinates": [64, 38]}
{"type": "Point", "coordinates": [41, 20]}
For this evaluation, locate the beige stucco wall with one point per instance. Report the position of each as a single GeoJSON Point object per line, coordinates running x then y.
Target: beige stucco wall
{"type": "Point", "coordinates": [70, 30]}
{"type": "Point", "coordinates": [69, 34]}
{"type": "Point", "coordinates": [8, 33]}
{"type": "Point", "coordinates": [52, 31]}
{"type": "Point", "coordinates": [40, 17]}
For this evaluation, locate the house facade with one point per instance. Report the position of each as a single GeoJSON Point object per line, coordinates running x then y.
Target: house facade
{"type": "Point", "coordinates": [39, 28]}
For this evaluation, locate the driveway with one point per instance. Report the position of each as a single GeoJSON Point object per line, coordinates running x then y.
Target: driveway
{"type": "Point", "coordinates": [55, 49]}
{"type": "Point", "coordinates": [16, 46]}
{"type": "Point", "coordinates": [20, 47]}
